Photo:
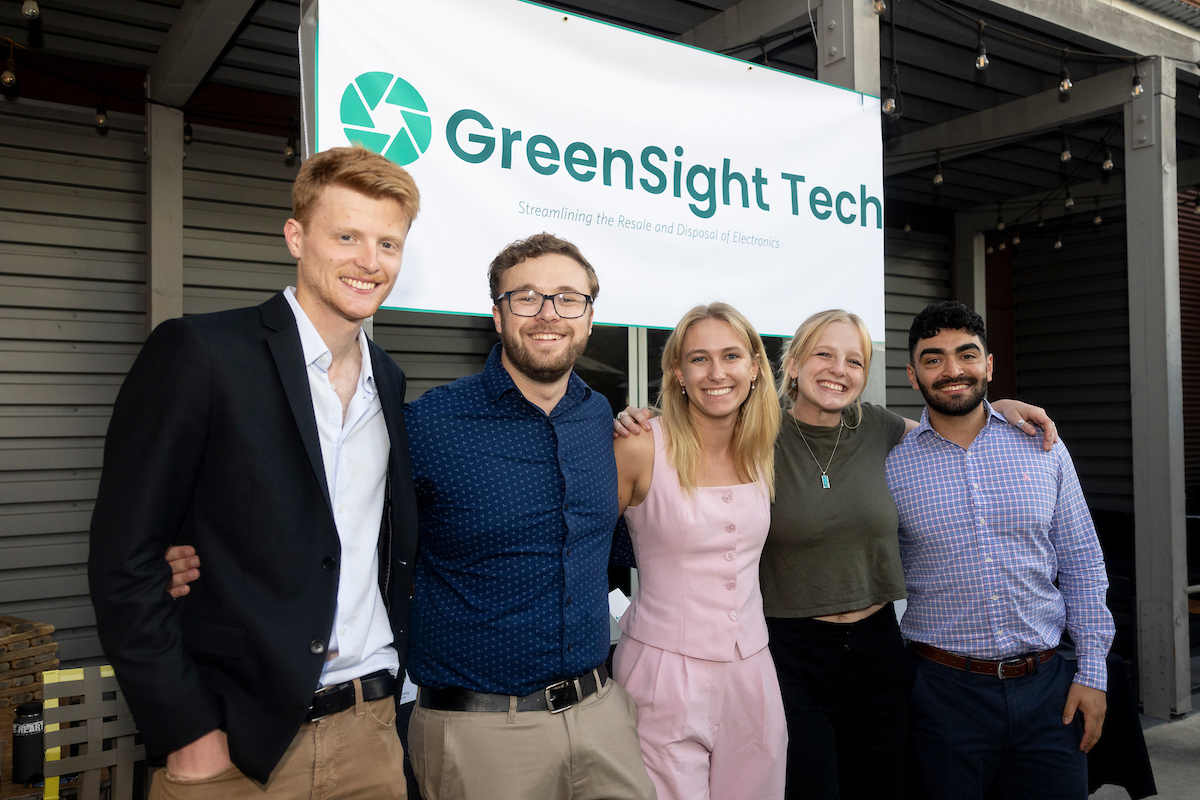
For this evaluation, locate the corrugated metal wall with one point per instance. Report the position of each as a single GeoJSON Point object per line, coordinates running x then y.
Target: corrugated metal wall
{"type": "Point", "coordinates": [1072, 349]}
{"type": "Point", "coordinates": [72, 278]}
{"type": "Point", "coordinates": [1189, 308]}
{"type": "Point", "coordinates": [72, 319]}
{"type": "Point", "coordinates": [916, 272]}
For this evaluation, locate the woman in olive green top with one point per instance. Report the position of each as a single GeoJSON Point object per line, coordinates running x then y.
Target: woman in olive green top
{"type": "Point", "coordinates": [831, 569]}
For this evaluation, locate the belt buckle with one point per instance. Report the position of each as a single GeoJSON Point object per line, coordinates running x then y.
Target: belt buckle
{"type": "Point", "coordinates": [557, 692]}
{"type": "Point", "coordinates": [1010, 662]}
{"type": "Point", "coordinates": [328, 690]}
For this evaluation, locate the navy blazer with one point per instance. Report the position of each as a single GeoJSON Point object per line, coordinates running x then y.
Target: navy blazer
{"type": "Point", "coordinates": [213, 442]}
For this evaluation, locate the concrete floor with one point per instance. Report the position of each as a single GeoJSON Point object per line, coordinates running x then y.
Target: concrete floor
{"type": "Point", "coordinates": [1174, 749]}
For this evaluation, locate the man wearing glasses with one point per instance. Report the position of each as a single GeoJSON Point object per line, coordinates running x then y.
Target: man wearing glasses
{"type": "Point", "coordinates": [516, 488]}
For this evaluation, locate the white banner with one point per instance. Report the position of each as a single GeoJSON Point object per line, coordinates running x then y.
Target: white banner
{"type": "Point", "coordinates": [684, 176]}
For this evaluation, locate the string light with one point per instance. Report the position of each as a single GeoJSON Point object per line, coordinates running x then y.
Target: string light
{"type": "Point", "coordinates": [1058, 243]}
{"type": "Point", "coordinates": [1041, 223]}
{"type": "Point", "coordinates": [981, 59]}
{"type": "Point", "coordinates": [999, 218]}
{"type": "Point", "coordinates": [101, 116]}
{"type": "Point", "coordinates": [878, 6]}
{"type": "Point", "coordinates": [1002, 246]}
{"type": "Point", "coordinates": [1064, 83]}
{"type": "Point", "coordinates": [1065, 155]}
{"type": "Point", "coordinates": [1108, 162]}
{"type": "Point", "coordinates": [187, 133]}
{"type": "Point", "coordinates": [1070, 201]}
{"type": "Point", "coordinates": [1097, 220]}
{"type": "Point", "coordinates": [1016, 240]}
{"type": "Point", "coordinates": [9, 77]}
{"type": "Point", "coordinates": [937, 176]}
{"type": "Point", "coordinates": [289, 152]}
{"type": "Point", "coordinates": [889, 102]}
{"type": "Point", "coordinates": [30, 9]}
{"type": "Point", "coordinates": [1137, 83]}
{"type": "Point", "coordinates": [990, 249]}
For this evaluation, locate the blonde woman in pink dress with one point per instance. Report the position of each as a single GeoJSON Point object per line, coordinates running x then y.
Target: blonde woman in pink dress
{"type": "Point", "coordinates": [697, 497]}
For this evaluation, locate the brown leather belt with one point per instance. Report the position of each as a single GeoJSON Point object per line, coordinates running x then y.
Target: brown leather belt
{"type": "Point", "coordinates": [555, 698]}
{"type": "Point", "coordinates": [1017, 667]}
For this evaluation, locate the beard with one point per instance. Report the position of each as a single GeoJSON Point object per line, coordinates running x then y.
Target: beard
{"type": "Point", "coordinates": [539, 367]}
{"type": "Point", "coordinates": [958, 406]}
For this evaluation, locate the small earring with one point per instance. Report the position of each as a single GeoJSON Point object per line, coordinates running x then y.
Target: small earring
{"type": "Point", "coordinates": [793, 383]}
{"type": "Point", "coordinates": [683, 389]}
{"type": "Point", "coordinates": [752, 386]}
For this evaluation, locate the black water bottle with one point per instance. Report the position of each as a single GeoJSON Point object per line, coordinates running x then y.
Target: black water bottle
{"type": "Point", "coordinates": [28, 744]}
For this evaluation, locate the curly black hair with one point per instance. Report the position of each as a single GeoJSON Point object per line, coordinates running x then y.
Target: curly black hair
{"type": "Point", "coordinates": [949, 314]}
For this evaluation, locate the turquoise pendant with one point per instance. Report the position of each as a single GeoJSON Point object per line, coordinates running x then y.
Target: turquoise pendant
{"type": "Point", "coordinates": [824, 481]}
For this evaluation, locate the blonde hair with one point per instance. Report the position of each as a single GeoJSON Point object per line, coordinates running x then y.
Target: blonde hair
{"type": "Point", "coordinates": [354, 168]}
{"type": "Point", "coordinates": [758, 419]}
{"type": "Point", "coordinates": [805, 341]}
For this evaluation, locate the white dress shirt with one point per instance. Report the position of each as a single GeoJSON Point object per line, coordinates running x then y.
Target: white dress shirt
{"type": "Point", "coordinates": [355, 453]}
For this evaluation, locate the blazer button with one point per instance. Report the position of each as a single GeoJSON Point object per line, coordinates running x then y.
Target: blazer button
{"type": "Point", "coordinates": [317, 647]}
{"type": "Point", "coordinates": [329, 562]}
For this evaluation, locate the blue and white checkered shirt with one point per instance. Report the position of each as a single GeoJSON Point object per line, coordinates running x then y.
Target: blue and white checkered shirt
{"type": "Point", "coordinates": [984, 534]}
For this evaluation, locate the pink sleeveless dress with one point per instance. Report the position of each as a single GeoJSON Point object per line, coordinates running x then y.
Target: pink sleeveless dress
{"type": "Point", "coordinates": [694, 651]}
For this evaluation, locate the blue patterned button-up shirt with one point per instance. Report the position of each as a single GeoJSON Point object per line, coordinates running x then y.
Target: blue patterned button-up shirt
{"type": "Point", "coordinates": [984, 534]}
{"type": "Point", "coordinates": [517, 510]}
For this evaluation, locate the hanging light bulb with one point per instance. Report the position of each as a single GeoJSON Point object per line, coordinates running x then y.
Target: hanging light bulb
{"type": "Point", "coordinates": [878, 6]}
{"type": "Point", "coordinates": [1065, 155]}
{"type": "Point", "coordinates": [1097, 220]}
{"type": "Point", "coordinates": [101, 116]}
{"type": "Point", "coordinates": [1016, 240]}
{"type": "Point", "coordinates": [1058, 243]}
{"type": "Point", "coordinates": [9, 77]}
{"type": "Point", "coordinates": [30, 9]}
{"type": "Point", "coordinates": [1137, 85]}
{"type": "Point", "coordinates": [1041, 223]}
{"type": "Point", "coordinates": [1002, 246]}
{"type": "Point", "coordinates": [1108, 162]}
{"type": "Point", "coordinates": [937, 175]}
{"type": "Point", "coordinates": [907, 228]}
{"type": "Point", "coordinates": [981, 59]}
{"type": "Point", "coordinates": [1064, 82]}
{"type": "Point", "coordinates": [1196, 203]}
{"type": "Point", "coordinates": [889, 102]}
{"type": "Point", "coordinates": [999, 218]}
{"type": "Point", "coordinates": [1070, 201]}
{"type": "Point", "coordinates": [187, 133]}
{"type": "Point", "coordinates": [990, 249]}
{"type": "Point", "coordinates": [289, 152]}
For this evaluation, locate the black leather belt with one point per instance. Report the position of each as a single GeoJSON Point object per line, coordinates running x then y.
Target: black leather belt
{"type": "Point", "coordinates": [555, 698]}
{"type": "Point", "coordinates": [333, 699]}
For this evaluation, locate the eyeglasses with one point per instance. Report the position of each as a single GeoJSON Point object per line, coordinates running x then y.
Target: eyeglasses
{"type": "Point", "coordinates": [528, 303]}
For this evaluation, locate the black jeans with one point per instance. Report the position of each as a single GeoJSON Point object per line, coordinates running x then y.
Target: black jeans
{"type": "Point", "coordinates": [845, 693]}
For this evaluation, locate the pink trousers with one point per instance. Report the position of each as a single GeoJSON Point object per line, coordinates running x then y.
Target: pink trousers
{"type": "Point", "coordinates": [708, 729]}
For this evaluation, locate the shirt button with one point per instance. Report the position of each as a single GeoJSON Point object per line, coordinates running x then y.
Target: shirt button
{"type": "Point", "coordinates": [329, 562]}
{"type": "Point", "coordinates": [323, 360]}
{"type": "Point", "coordinates": [568, 601]}
{"type": "Point", "coordinates": [727, 497]}
{"type": "Point", "coordinates": [995, 597]}
{"type": "Point", "coordinates": [341, 508]}
{"type": "Point", "coordinates": [731, 528]}
{"type": "Point", "coordinates": [567, 552]}
{"type": "Point", "coordinates": [730, 556]}
{"type": "Point", "coordinates": [342, 631]}
{"type": "Point", "coordinates": [733, 615]}
{"type": "Point", "coordinates": [317, 647]}
{"type": "Point", "coordinates": [570, 648]}
{"type": "Point", "coordinates": [731, 585]}
{"type": "Point", "coordinates": [987, 561]}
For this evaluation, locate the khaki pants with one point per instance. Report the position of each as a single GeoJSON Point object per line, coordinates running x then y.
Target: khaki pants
{"type": "Point", "coordinates": [353, 754]}
{"type": "Point", "coordinates": [588, 752]}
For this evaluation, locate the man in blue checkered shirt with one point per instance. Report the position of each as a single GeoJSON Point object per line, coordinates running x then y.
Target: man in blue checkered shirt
{"type": "Point", "coordinates": [1000, 555]}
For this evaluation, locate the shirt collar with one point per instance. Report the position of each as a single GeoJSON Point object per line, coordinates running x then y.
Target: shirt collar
{"type": "Point", "coordinates": [314, 346]}
{"type": "Point", "coordinates": [987, 407]}
{"type": "Point", "coordinates": [498, 382]}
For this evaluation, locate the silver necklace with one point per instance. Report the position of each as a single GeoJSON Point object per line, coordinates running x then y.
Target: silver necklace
{"type": "Point", "coordinates": [825, 469]}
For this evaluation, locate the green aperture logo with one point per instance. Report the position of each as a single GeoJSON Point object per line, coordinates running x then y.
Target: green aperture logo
{"type": "Point", "coordinates": [385, 114]}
